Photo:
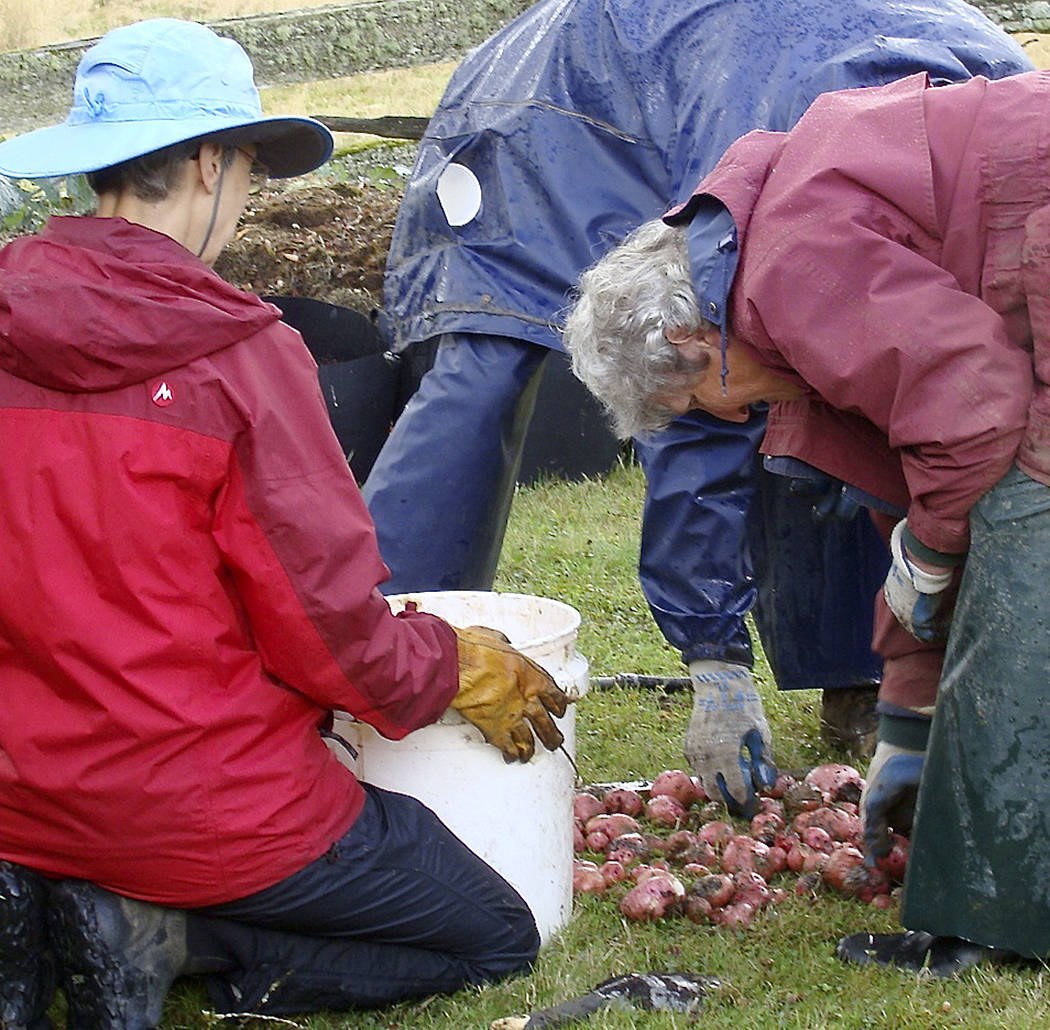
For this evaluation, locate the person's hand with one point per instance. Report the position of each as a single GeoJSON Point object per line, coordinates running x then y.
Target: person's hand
{"type": "Point", "coordinates": [503, 693]}
{"type": "Point", "coordinates": [915, 594]}
{"type": "Point", "coordinates": [887, 802]}
{"type": "Point", "coordinates": [728, 743]}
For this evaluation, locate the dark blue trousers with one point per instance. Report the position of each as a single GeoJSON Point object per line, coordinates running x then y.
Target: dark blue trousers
{"type": "Point", "coordinates": [399, 908]}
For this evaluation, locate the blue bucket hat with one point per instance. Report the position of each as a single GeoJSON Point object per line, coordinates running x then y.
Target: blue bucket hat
{"type": "Point", "coordinates": [148, 85]}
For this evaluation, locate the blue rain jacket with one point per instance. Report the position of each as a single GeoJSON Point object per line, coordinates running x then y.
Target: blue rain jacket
{"type": "Point", "coordinates": [581, 119]}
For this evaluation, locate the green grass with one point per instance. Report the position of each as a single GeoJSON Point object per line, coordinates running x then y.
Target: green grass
{"type": "Point", "coordinates": [578, 543]}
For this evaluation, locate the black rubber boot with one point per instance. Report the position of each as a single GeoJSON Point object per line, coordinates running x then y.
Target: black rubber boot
{"type": "Point", "coordinates": [919, 952]}
{"type": "Point", "coordinates": [118, 956]}
{"type": "Point", "coordinates": [27, 976]}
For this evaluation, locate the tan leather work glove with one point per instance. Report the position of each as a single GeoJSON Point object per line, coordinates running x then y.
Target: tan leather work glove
{"type": "Point", "coordinates": [502, 692]}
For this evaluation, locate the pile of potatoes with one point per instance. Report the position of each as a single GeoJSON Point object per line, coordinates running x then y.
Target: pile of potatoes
{"type": "Point", "coordinates": [670, 850]}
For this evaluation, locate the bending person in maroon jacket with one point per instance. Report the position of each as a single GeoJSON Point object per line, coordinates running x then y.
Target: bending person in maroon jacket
{"type": "Point", "coordinates": [190, 589]}
{"type": "Point", "coordinates": [879, 274]}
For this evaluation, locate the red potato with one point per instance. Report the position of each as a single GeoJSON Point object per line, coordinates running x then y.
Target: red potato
{"type": "Point", "coordinates": [612, 872]}
{"type": "Point", "coordinates": [628, 848]}
{"type": "Point", "coordinates": [784, 782]}
{"type": "Point", "coordinates": [751, 887]}
{"type": "Point", "coordinates": [839, 825]}
{"type": "Point", "coordinates": [739, 913]}
{"type": "Point", "coordinates": [895, 863]}
{"type": "Point", "coordinates": [679, 841]}
{"type": "Point", "coordinates": [801, 797]}
{"type": "Point", "coordinates": [612, 823]}
{"type": "Point", "coordinates": [579, 842]}
{"type": "Point", "coordinates": [697, 909]}
{"type": "Point", "coordinates": [653, 898]}
{"type": "Point", "coordinates": [676, 784]}
{"type": "Point", "coordinates": [778, 859]}
{"type": "Point", "coordinates": [585, 807]}
{"type": "Point", "coordinates": [700, 853]}
{"type": "Point", "coordinates": [624, 800]}
{"type": "Point", "coordinates": [766, 825]}
{"type": "Point", "coordinates": [664, 810]}
{"type": "Point", "coordinates": [767, 804]}
{"type": "Point", "coordinates": [838, 871]}
{"type": "Point", "coordinates": [817, 838]}
{"type": "Point", "coordinates": [696, 869]}
{"type": "Point", "coordinates": [717, 889]}
{"type": "Point", "coordinates": [746, 854]}
{"type": "Point", "coordinates": [836, 782]}
{"type": "Point", "coordinates": [641, 873]}
{"type": "Point", "coordinates": [597, 840]}
{"type": "Point", "coordinates": [815, 862]}
{"type": "Point", "coordinates": [587, 878]}
{"type": "Point", "coordinates": [882, 901]}
{"type": "Point", "coordinates": [717, 833]}
{"type": "Point", "coordinates": [797, 856]}
{"type": "Point", "coordinates": [604, 827]}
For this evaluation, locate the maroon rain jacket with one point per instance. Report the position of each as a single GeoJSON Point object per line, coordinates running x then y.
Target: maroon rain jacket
{"type": "Point", "coordinates": [881, 266]}
{"type": "Point", "coordinates": [894, 259]}
{"type": "Point", "coordinates": [187, 579]}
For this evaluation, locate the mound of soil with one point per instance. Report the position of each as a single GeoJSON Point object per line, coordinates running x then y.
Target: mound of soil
{"type": "Point", "coordinates": [327, 241]}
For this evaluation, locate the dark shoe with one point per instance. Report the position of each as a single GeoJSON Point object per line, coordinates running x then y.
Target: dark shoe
{"type": "Point", "coordinates": [919, 952]}
{"type": "Point", "coordinates": [118, 956]}
{"type": "Point", "coordinates": [27, 975]}
{"type": "Point", "coordinates": [848, 721]}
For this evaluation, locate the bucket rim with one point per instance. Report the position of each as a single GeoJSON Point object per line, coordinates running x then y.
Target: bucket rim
{"type": "Point", "coordinates": [419, 596]}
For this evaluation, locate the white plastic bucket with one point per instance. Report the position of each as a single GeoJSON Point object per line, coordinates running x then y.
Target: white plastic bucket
{"type": "Point", "coordinates": [516, 817]}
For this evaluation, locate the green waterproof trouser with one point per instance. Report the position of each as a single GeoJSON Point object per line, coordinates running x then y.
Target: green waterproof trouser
{"type": "Point", "coordinates": [982, 825]}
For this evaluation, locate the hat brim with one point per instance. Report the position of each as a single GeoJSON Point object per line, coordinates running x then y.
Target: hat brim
{"type": "Point", "coordinates": [287, 146]}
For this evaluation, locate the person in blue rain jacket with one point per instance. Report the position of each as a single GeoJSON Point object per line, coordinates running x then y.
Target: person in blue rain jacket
{"type": "Point", "coordinates": [569, 127]}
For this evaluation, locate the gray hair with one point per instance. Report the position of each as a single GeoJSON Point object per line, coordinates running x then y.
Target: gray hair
{"type": "Point", "coordinates": [615, 329]}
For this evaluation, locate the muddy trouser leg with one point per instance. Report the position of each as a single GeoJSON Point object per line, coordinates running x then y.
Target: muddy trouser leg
{"type": "Point", "coordinates": [721, 536]}
{"type": "Point", "coordinates": [397, 909]}
{"type": "Point", "coordinates": [982, 824]}
{"type": "Point", "coordinates": [441, 489]}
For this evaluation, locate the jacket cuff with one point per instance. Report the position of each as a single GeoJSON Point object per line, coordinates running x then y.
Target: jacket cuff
{"type": "Point", "coordinates": [916, 547]}
{"type": "Point", "coordinates": [910, 732]}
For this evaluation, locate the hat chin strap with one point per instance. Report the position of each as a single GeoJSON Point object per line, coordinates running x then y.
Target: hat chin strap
{"type": "Point", "coordinates": [214, 210]}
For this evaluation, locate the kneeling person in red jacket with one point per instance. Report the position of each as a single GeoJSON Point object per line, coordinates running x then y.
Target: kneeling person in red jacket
{"type": "Point", "coordinates": [190, 589]}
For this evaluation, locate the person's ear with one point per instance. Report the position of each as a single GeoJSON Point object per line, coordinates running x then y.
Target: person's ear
{"type": "Point", "coordinates": [694, 344]}
{"type": "Point", "coordinates": [209, 163]}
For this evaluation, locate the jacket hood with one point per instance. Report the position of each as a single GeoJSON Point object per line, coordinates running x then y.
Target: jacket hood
{"type": "Point", "coordinates": [94, 304]}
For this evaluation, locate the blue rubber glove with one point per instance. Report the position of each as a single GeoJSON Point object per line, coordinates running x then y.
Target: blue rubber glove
{"type": "Point", "coordinates": [914, 595]}
{"type": "Point", "coordinates": [887, 802]}
{"type": "Point", "coordinates": [728, 743]}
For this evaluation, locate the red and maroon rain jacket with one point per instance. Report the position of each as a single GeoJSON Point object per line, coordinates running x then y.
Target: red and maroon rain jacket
{"type": "Point", "coordinates": [187, 579]}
